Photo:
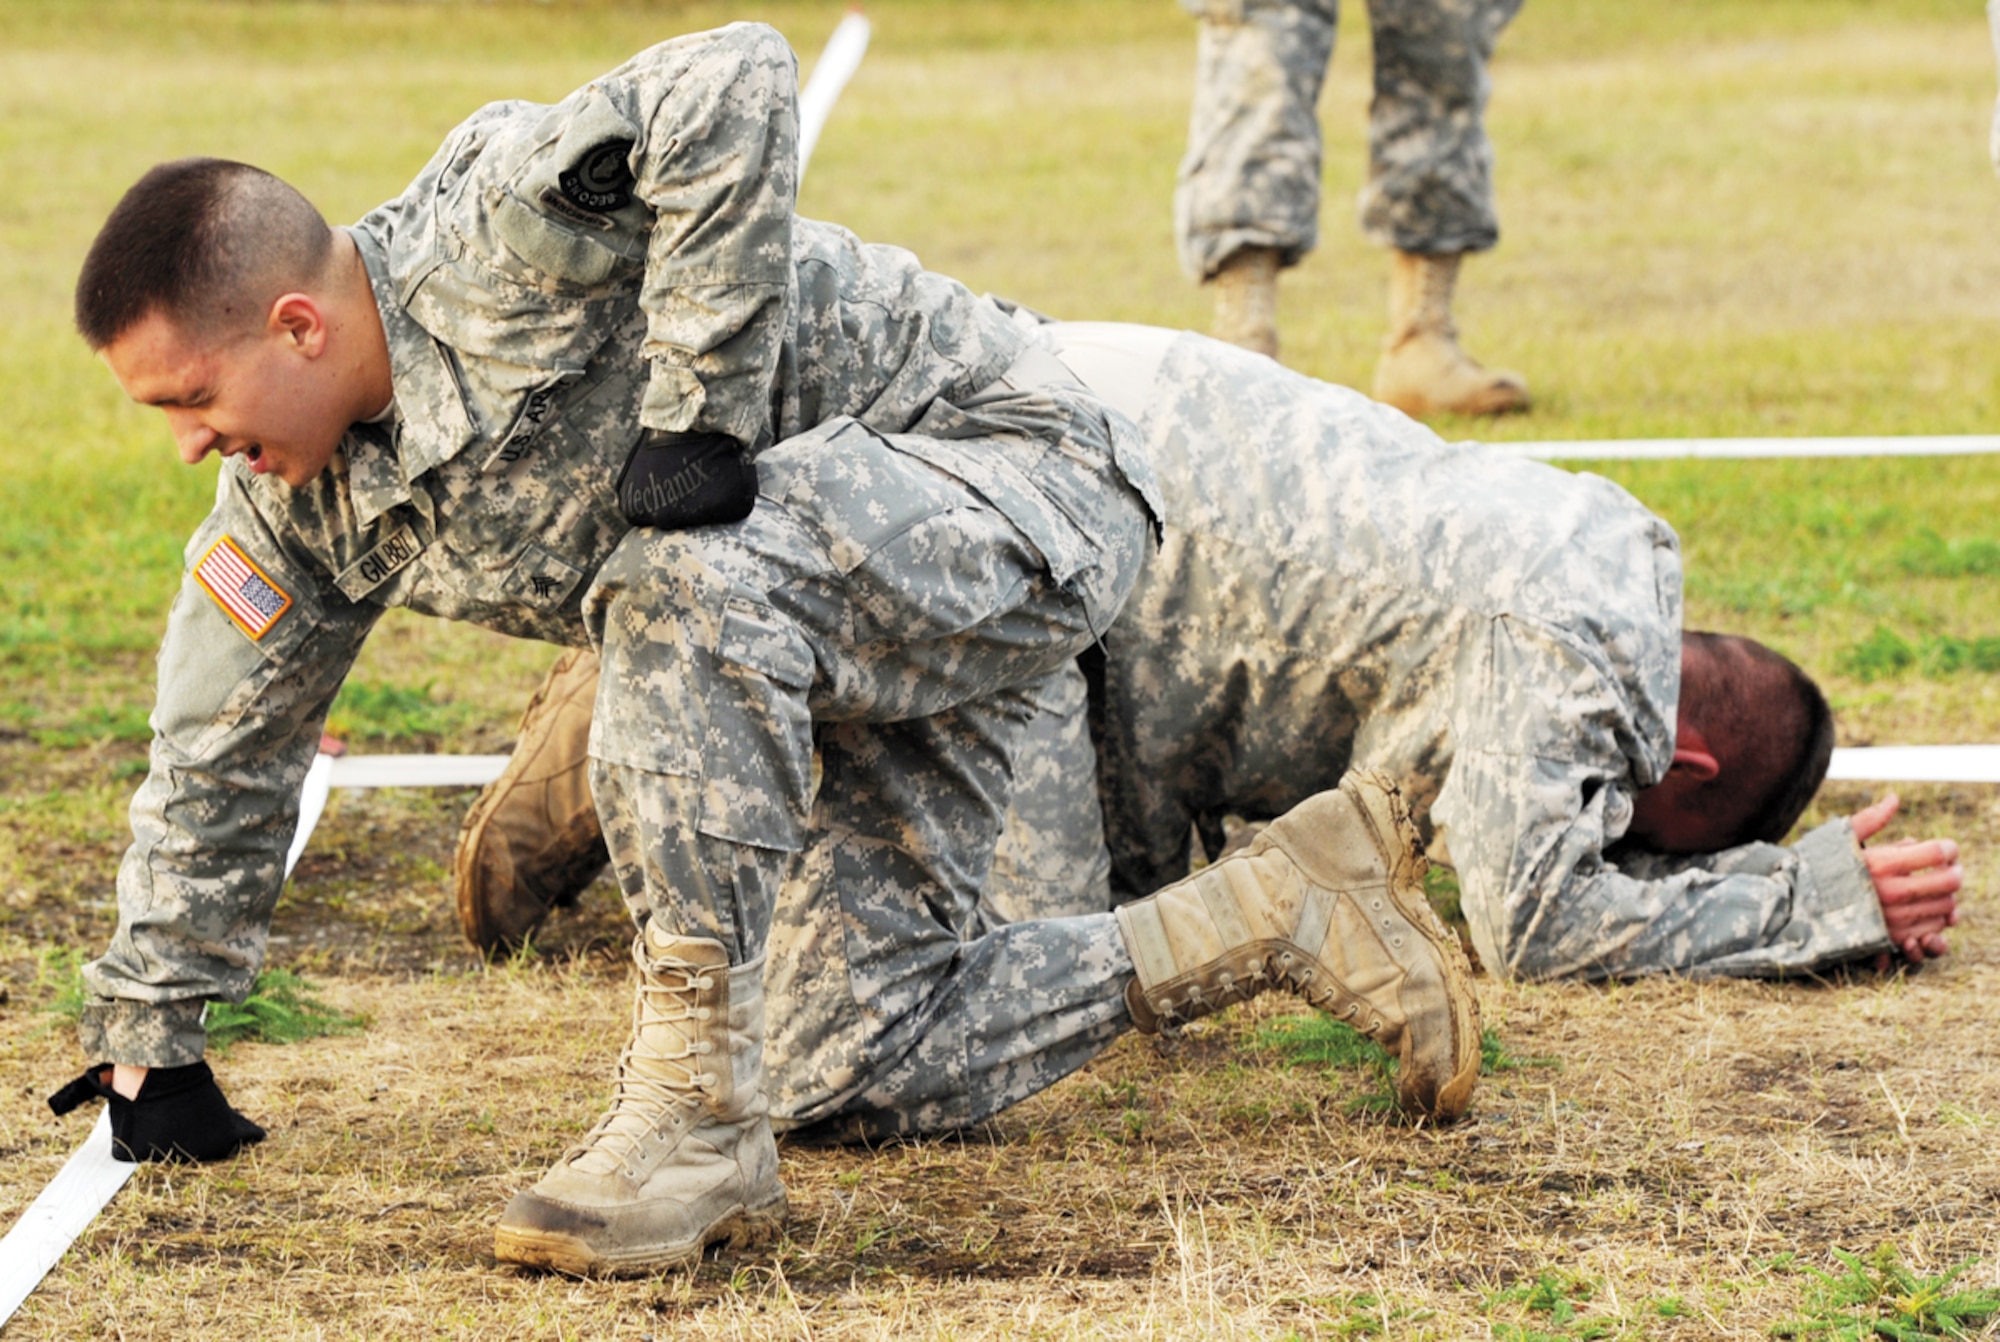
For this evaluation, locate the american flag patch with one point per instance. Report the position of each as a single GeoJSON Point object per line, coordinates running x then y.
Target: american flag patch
{"type": "Point", "coordinates": [241, 589]}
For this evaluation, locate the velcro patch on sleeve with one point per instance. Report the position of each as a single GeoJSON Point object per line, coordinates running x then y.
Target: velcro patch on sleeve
{"type": "Point", "coordinates": [244, 591]}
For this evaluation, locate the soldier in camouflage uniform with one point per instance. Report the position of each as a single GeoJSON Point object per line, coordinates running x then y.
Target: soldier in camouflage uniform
{"type": "Point", "coordinates": [1247, 204]}
{"type": "Point", "coordinates": [590, 380]}
{"type": "Point", "coordinates": [1338, 589]}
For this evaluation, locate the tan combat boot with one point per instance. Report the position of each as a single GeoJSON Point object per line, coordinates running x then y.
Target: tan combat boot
{"type": "Point", "coordinates": [1423, 371]}
{"type": "Point", "coordinates": [685, 1157]}
{"type": "Point", "coordinates": [1329, 902]}
{"type": "Point", "coordinates": [1246, 300]}
{"type": "Point", "coordinates": [532, 841]}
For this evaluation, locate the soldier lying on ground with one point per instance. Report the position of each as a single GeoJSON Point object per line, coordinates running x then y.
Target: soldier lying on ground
{"type": "Point", "coordinates": [1339, 589]}
{"type": "Point", "coordinates": [590, 380]}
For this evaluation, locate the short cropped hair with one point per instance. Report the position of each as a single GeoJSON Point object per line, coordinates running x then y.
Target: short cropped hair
{"type": "Point", "coordinates": [1771, 730]}
{"type": "Point", "coordinates": [205, 241]}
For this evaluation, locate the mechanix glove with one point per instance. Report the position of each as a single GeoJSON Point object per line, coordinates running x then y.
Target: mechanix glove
{"type": "Point", "coordinates": [678, 480]}
{"type": "Point", "coordinates": [179, 1114]}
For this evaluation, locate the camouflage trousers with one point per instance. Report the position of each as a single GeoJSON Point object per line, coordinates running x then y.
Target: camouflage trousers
{"type": "Point", "coordinates": [895, 609]}
{"type": "Point", "coordinates": [1251, 176]}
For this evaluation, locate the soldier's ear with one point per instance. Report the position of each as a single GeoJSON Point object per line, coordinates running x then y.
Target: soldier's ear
{"type": "Point", "coordinates": [1693, 759]}
{"type": "Point", "coordinates": [1696, 765]}
{"type": "Point", "coordinates": [297, 321]}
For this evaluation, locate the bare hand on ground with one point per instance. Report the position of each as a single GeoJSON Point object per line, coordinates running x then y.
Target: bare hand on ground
{"type": "Point", "coordinates": [1917, 881]}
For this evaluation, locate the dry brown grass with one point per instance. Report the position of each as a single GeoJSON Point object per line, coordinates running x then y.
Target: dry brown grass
{"type": "Point", "coordinates": [1686, 1136]}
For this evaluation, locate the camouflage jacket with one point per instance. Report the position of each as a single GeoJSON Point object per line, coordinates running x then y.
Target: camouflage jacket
{"type": "Point", "coordinates": [1339, 587]}
{"type": "Point", "coordinates": [554, 279]}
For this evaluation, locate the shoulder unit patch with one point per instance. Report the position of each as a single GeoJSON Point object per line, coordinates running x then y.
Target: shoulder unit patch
{"type": "Point", "coordinates": [600, 179]}
{"type": "Point", "coordinates": [245, 593]}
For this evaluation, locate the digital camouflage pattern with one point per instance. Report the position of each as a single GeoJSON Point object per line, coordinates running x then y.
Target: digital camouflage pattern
{"type": "Point", "coordinates": [945, 517]}
{"type": "Point", "coordinates": [1251, 175]}
{"type": "Point", "coordinates": [1340, 588]}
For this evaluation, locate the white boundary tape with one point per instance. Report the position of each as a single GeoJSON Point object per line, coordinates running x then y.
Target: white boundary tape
{"type": "Point", "coordinates": [88, 1179]}
{"type": "Point", "coordinates": [835, 66]}
{"type": "Point", "coordinates": [1644, 449]}
{"type": "Point", "coordinates": [1917, 764]}
{"type": "Point", "coordinates": [363, 771]}
{"type": "Point", "coordinates": [1886, 764]}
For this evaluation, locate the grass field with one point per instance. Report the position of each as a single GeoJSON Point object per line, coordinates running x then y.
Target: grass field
{"type": "Point", "coordinates": [1726, 217]}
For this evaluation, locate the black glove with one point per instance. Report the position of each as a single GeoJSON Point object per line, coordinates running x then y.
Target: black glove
{"type": "Point", "coordinates": [678, 480]}
{"type": "Point", "coordinates": [179, 1114]}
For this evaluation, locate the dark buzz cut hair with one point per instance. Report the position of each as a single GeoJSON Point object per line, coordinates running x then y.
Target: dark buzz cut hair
{"type": "Point", "coordinates": [1772, 731]}
{"type": "Point", "coordinates": [205, 241]}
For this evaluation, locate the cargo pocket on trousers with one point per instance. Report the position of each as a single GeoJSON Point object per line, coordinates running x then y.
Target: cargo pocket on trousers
{"type": "Point", "coordinates": [756, 762]}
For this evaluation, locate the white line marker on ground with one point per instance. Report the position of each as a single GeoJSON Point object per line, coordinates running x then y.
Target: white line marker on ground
{"type": "Point", "coordinates": [87, 1180]}
{"type": "Point", "coordinates": [1647, 449]}
{"type": "Point", "coordinates": [835, 66]}
{"type": "Point", "coordinates": [1886, 764]}
{"type": "Point", "coordinates": [1917, 764]}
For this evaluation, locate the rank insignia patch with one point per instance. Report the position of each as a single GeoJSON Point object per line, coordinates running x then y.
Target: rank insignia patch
{"type": "Point", "coordinates": [241, 589]}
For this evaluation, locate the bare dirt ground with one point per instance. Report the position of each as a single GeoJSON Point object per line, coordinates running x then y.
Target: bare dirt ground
{"type": "Point", "coordinates": [1667, 1159]}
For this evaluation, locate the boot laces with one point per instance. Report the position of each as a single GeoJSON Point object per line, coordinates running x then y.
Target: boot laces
{"type": "Point", "coordinates": [665, 1077]}
{"type": "Point", "coordinates": [1297, 973]}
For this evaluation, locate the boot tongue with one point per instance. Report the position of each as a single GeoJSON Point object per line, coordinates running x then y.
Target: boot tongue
{"type": "Point", "coordinates": [668, 1068]}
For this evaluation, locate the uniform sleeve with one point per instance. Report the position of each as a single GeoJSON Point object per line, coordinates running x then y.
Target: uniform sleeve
{"type": "Point", "coordinates": [1540, 788]}
{"type": "Point", "coordinates": [677, 173]}
{"type": "Point", "coordinates": [1529, 836]}
{"type": "Point", "coordinates": [254, 651]}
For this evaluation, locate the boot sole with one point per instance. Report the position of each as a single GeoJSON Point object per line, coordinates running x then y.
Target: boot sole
{"type": "Point", "coordinates": [1382, 808]}
{"type": "Point", "coordinates": [552, 1251]}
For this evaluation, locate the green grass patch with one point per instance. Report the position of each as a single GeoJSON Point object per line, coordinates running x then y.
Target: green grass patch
{"type": "Point", "coordinates": [1879, 1297]}
{"type": "Point", "coordinates": [375, 712]}
{"type": "Point", "coordinates": [281, 1007]}
{"type": "Point", "coordinates": [94, 726]}
{"type": "Point", "coordinates": [1885, 654]}
{"type": "Point", "coordinates": [1932, 556]}
{"type": "Point", "coordinates": [1321, 1041]}
{"type": "Point", "coordinates": [1441, 889]}
{"type": "Point", "coordinates": [1549, 1307]}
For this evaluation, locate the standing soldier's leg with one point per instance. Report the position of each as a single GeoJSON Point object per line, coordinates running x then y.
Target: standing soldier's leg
{"type": "Point", "coordinates": [1247, 202]}
{"type": "Point", "coordinates": [1430, 195]}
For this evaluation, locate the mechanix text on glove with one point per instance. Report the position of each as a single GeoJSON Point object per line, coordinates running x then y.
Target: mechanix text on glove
{"type": "Point", "coordinates": [678, 480]}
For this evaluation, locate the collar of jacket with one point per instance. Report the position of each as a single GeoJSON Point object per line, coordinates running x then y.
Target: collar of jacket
{"type": "Point", "coordinates": [432, 423]}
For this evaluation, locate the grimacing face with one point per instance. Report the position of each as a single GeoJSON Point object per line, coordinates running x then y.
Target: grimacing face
{"type": "Point", "coordinates": [261, 394]}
